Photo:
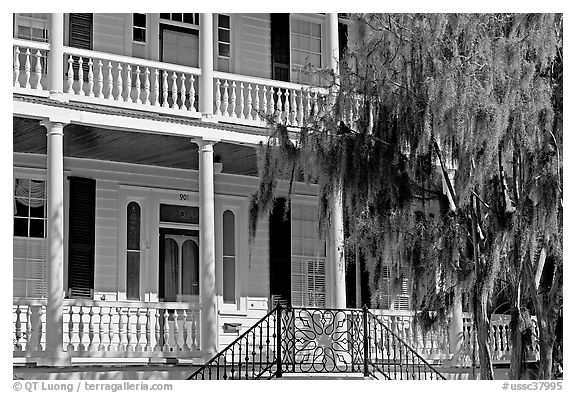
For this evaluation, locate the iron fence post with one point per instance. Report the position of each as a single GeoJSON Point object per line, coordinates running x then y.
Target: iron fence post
{"type": "Point", "coordinates": [365, 323]}
{"type": "Point", "coordinates": [279, 341]}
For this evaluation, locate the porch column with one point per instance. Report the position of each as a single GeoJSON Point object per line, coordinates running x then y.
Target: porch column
{"type": "Point", "coordinates": [56, 55]}
{"type": "Point", "coordinates": [208, 327]}
{"type": "Point", "coordinates": [339, 266]}
{"type": "Point", "coordinates": [55, 223]}
{"type": "Point", "coordinates": [206, 65]}
{"type": "Point", "coordinates": [333, 50]}
{"type": "Point", "coordinates": [456, 329]}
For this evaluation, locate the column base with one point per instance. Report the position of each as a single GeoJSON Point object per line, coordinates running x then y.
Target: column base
{"type": "Point", "coordinates": [54, 358]}
{"type": "Point", "coordinates": [58, 96]}
{"type": "Point", "coordinates": [208, 117]}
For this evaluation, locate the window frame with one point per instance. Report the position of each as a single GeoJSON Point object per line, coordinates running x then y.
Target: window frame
{"type": "Point", "coordinates": [144, 28]}
{"type": "Point", "coordinates": [217, 43]}
{"type": "Point", "coordinates": [318, 19]}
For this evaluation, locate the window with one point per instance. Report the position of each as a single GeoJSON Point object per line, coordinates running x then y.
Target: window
{"type": "Point", "coordinates": [306, 50]}
{"type": "Point", "coordinates": [229, 257]}
{"type": "Point", "coordinates": [133, 251]}
{"type": "Point", "coordinates": [29, 243]}
{"type": "Point", "coordinates": [32, 27]}
{"type": "Point", "coordinates": [224, 43]}
{"type": "Point", "coordinates": [193, 19]}
{"type": "Point", "coordinates": [308, 287]}
{"type": "Point", "coordinates": [393, 291]}
{"type": "Point", "coordinates": [139, 27]}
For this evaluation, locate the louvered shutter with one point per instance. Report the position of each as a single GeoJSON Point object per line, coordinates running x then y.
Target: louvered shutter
{"type": "Point", "coordinates": [81, 238]}
{"type": "Point", "coordinates": [81, 34]}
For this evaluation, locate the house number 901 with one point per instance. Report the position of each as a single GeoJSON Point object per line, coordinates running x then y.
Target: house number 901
{"type": "Point", "coordinates": [184, 197]}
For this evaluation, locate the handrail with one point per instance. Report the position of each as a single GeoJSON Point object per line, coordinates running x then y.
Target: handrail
{"type": "Point", "coordinates": [222, 353]}
{"type": "Point", "coordinates": [131, 60]}
{"type": "Point", "coordinates": [31, 44]}
{"type": "Point", "coordinates": [408, 347]}
{"type": "Point", "coordinates": [18, 301]}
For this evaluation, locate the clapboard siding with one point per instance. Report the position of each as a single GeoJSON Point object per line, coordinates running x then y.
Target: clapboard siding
{"type": "Point", "coordinates": [106, 253]}
{"type": "Point", "coordinates": [109, 33]}
{"type": "Point", "coordinates": [255, 51]}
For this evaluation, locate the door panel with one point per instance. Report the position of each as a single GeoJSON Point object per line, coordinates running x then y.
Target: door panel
{"type": "Point", "coordinates": [180, 47]}
{"type": "Point", "coordinates": [179, 266]}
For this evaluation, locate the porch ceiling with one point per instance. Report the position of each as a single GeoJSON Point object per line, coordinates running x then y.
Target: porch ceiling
{"type": "Point", "coordinates": [131, 147]}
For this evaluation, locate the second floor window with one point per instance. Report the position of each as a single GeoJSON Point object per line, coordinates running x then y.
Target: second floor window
{"type": "Point", "coordinates": [224, 47]}
{"type": "Point", "coordinates": [306, 50]}
{"type": "Point", "coordinates": [32, 27]}
{"type": "Point", "coordinates": [29, 208]}
{"type": "Point", "coordinates": [139, 27]}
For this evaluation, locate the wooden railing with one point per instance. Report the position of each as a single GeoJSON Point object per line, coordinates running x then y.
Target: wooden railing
{"type": "Point", "coordinates": [127, 81]}
{"type": "Point", "coordinates": [239, 97]}
{"type": "Point", "coordinates": [29, 65]}
{"type": "Point", "coordinates": [100, 329]}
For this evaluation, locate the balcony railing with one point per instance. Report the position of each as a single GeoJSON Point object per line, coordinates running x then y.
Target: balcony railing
{"type": "Point", "coordinates": [101, 329]}
{"type": "Point", "coordinates": [133, 83]}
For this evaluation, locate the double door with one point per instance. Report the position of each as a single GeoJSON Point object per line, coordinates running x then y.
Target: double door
{"type": "Point", "coordinates": [179, 266]}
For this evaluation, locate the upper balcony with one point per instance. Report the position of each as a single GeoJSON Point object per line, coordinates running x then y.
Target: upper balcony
{"type": "Point", "coordinates": [251, 67]}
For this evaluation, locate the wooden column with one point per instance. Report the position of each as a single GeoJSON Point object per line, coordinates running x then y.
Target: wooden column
{"type": "Point", "coordinates": [208, 315]}
{"type": "Point", "coordinates": [207, 66]}
{"type": "Point", "coordinates": [56, 56]}
{"type": "Point", "coordinates": [55, 223]}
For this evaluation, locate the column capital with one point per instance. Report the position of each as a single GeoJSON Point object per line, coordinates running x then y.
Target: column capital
{"type": "Point", "coordinates": [205, 143]}
{"type": "Point", "coordinates": [54, 127]}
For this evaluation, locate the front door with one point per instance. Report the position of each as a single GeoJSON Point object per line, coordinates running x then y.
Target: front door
{"type": "Point", "coordinates": [179, 266]}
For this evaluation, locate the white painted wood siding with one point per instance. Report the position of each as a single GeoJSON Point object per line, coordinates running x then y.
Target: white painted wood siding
{"type": "Point", "coordinates": [110, 32]}
{"type": "Point", "coordinates": [106, 244]}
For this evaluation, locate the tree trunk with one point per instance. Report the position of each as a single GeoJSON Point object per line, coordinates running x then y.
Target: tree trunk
{"type": "Point", "coordinates": [483, 333]}
{"type": "Point", "coordinates": [546, 341]}
{"type": "Point", "coordinates": [516, 342]}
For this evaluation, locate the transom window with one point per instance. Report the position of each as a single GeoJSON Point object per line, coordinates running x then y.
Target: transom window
{"type": "Point", "coordinates": [193, 19]}
{"type": "Point", "coordinates": [306, 50]}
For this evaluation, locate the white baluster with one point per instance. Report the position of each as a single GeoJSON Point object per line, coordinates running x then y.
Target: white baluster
{"type": "Point", "coordinates": [241, 114]}
{"type": "Point", "coordinates": [166, 332]}
{"type": "Point", "coordinates": [18, 330]}
{"type": "Point", "coordinates": [255, 113]}
{"type": "Point", "coordinates": [28, 328]}
{"type": "Point", "coordinates": [271, 102]}
{"type": "Point", "coordinates": [80, 76]}
{"type": "Point", "coordinates": [264, 108]}
{"type": "Point", "coordinates": [39, 330]}
{"type": "Point", "coordinates": [101, 346]}
{"type": "Point", "coordinates": [233, 100]}
{"type": "Point", "coordinates": [185, 346]}
{"type": "Point", "coordinates": [278, 105]}
{"type": "Point", "coordinates": [287, 110]}
{"type": "Point", "coordinates": [70, 328]}
{"type": "Point", "coordinates": [183, 92]}
{"type": "Point", "coordinates": [110, 82]}
{"type": "Point", "coordinates": [165, 89]}
{"type": "Point", "coordinates": [128, 332]}
{"type": "Point", "coordinates": [70, 75]}
{"type": "Point", "coordinates": [119, 84]}
{"type": "Point", "coordinates": [218, 98]}
{"type": "Point", "coordinates": [301, 108]}
{"type": "Point", "coordinates": [100, 80]}
{"type": "Point", "coordinates": [315, 105]}
{"type": "Point", "coordinates": [248, 115]}
{"type": "Point", "coordinates": [90, 78]}
{"type": "Point", "coordinates": [138, 331]}
{"type": "Point", "coordinates": [27, 69]}
{"type": "Point", "coordinates": [293, 118]}
{"type": "Point", "coordinates": [147, 86]}
{"type": "Point", "coordinates": [176, 337]}
{"type": "Point", "coordinates": [156, 88]}
{"type": "Point", "coordinates": [138, 85]}
{"type": "Point", "coordinates": [157, 330]}
{"type": "Point", "coordinates": [174, 91]}
{"type": "Point", "coordinates": [81, 329]}
{"type": "Point", "coordinates": [193, 331]}
{"type": "Point", "coordinates": [121, 341]}
{"type": "Point", "coordinates": [17, 67]}
{"type": "Point", "coordinates": [192, 94]}
{"type": "Point", "coordinates": [225, 100]}
{"type": "Point", "coordinates": [91, 329]}
{"type": "Point", "coordinates": [129, 83]}
{"type": "Point", "coordinates": [39, 70]}
{"type": "Point", "coordinates": [148, 347]}
{"type": "Point", "coordinates": [308, 106]}
{"type": "Point", "coordinates": [111, 329]}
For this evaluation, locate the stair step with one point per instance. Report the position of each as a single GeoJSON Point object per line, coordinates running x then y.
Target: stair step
{"type": "Point", "coordinates": [325, 376]}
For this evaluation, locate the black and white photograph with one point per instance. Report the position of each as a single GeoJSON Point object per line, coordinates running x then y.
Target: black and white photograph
{"type": "Point", "coordinates": [336, 196]}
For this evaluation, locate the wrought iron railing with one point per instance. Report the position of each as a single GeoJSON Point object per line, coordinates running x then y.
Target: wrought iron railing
{"type": "Point", "coordinates": [390, 357]}
{"type": "Point", "coordinates": [318, 340]}
{"type": "Point", "coordinates": [251, 356]}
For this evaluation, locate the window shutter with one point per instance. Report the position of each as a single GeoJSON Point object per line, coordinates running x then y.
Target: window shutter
{"type": "Point", "coordinates": [81, 243]}
{"type": "Point", "coordinates": [280, 252]}
{"type": "Point", "coordinates": [80, 36]}
{"type": "Point", "coordinates": [280, 43]}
